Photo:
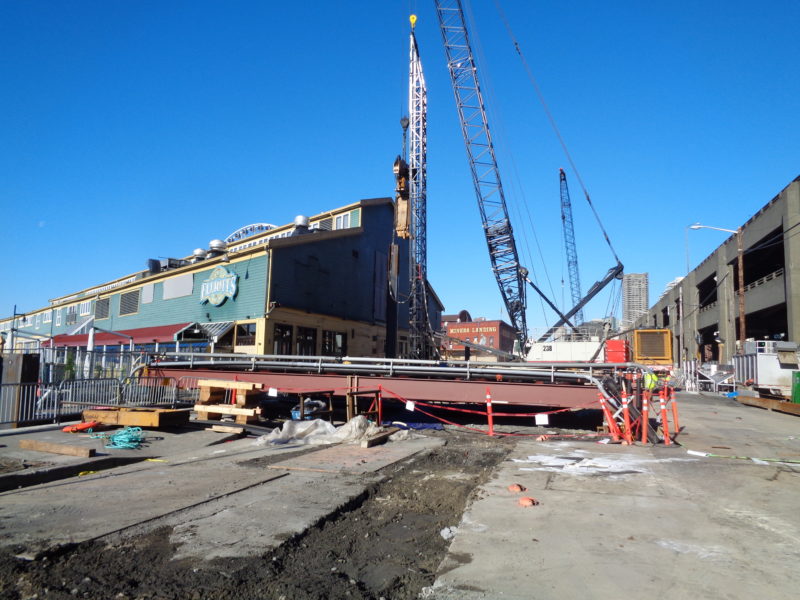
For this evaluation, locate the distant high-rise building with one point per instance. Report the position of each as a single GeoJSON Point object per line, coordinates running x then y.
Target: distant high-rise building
{"type": "Point", "coordinates": [634, 298]}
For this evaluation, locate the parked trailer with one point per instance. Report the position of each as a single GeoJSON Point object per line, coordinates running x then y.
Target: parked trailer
{"type": "Point", "coordinates": [767, 366]}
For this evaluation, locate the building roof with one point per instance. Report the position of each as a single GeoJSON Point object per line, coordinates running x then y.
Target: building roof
{"type": "Point", "coordinates": [143, 335]}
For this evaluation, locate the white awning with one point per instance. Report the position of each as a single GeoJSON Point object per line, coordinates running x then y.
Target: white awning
{"type": "Point", "coordinates": [214, 331]}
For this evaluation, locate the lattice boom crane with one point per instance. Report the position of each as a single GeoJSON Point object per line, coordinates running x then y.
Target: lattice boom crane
{"type": "Point", "coordinates": [569, 241]}
{"type": "Point", "coordinates": [503, 254]}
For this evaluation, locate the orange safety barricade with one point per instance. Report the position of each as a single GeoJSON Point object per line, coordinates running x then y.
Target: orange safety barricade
{"type": "Point", "coordinates": [674, 403]}
{"type": "Point", "coordinates": [662, 401]}
{"type": "Point", "coordinates": [645, 415]}
{"type": "Point", "coordinates": [489, 414]}
{"type": "Point", "coordinates": [626, 417]}
{"type": "Point", "coordinates": [612, 425]}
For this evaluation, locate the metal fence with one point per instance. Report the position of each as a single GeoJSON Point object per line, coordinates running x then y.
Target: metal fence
{"type": "Point", "coordinates": [30, 403]}
{"type": "Point", "coordinates": [18, 402]}
{"type": "Point", "coordinates": [149, 391]}
{"type": "Point", "coordinates": [66, 364]}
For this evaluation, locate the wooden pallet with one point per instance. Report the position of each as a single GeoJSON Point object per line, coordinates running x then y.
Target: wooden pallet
{"type": "Point", "coordinates": [214, 412]}
{"type": "Point", "coordinates": [218, 391]}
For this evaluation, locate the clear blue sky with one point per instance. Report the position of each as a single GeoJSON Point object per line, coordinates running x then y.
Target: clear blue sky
{"type": "Point", "coordinates": [131, 130]}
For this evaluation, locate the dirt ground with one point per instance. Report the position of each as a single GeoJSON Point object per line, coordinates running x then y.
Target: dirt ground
{"type": "Point", "coordinates": [11, 465]}
{"type": "Point", "coordinates": [388, 544]}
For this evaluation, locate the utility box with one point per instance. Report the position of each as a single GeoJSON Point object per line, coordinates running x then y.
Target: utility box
{"type": "Point", "coordinates": [769, 366]}
{"type": "Point", "coordinates": [617, 351]}
{"type": "Point", "coordinates": [652, 346]}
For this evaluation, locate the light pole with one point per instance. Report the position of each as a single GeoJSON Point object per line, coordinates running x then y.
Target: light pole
{"type": "Point", "coordinates": [740, 260]}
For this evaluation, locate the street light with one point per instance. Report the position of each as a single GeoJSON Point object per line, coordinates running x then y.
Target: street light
{"type": "Point", "coordinates": [740, 257]}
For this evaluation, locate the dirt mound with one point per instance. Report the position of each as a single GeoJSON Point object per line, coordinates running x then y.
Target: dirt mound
{"type": "Point", "coordinates": [388, 544]}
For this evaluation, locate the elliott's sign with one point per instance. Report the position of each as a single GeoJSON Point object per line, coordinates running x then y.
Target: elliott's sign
{"type": "Point", "coordinates": [219, 286]}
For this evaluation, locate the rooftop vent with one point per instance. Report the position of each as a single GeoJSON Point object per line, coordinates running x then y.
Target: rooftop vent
{"type": "Point", "coordinates": [216, 248]}
{"type": "Point", "coordinates": [300, 225]}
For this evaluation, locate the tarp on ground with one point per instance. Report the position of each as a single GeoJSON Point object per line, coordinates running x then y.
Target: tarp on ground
{"type": "Point", "coordinates": [319, 432]}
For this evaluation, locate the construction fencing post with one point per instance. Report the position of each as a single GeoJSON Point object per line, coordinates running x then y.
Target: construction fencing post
{"type": "Point", "coordinates": [662, 394]}
{"type": "Point", "coordinates": [645, 415]}
{"type": "Point", "coordinates": [674, 404]}
{"type": "Point", "coordinates": [626, 416]}
{"type": "Point", "coordinates": [380, 405]}
{"type": "Point", "coordinates": [489, 414]}
{"type": "Point", "coordinates": [612, 425]}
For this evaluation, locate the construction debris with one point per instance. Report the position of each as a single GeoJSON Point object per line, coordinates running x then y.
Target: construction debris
{"type": "Point", "coordinates": [321, 432]}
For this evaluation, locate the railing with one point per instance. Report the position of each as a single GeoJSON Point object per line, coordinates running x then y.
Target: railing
{"type": "Point", "coordinates": [764, 279]}
{"type": "Point", "coordinates": [64, 364]}
{"type": "Point", "coordinates": [29, 403]}
{"type": "Point", "coordinates": [149, 391]}
{"type": "Point", "coordinates": [74, 396]}
{"type": "Point", "coordinates": [18, 402]}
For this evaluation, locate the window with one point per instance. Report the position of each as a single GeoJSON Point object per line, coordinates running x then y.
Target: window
{"type": "Point", "coordinates": [129, 303]}
{"type": "Point", "coordinates": [245, 334]}
{"type": "Point", "coordinates": [85, 308]}
{"type": "Point", "coordinates": [342, 221]}
{"type": "Point", "coordinates": [334, 343]}
{"type": "Point", "coordinates": [38, 319]}
{"type": "Point", "coordinates": [306, 343]}
{"type": "Point", "coordinates": [72, 314]}
{"type": "Point", "coordinates": [101, 308]}
{"type": "Point", "coordinates": [58, 317]}
{"type": "Point", "coordinates": [47, 316]}
{"type": "Point", "coordinates": [283, 339]}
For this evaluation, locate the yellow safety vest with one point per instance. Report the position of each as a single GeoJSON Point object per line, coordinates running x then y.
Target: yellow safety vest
{"type": "Point", "coordinates": [650, 381]}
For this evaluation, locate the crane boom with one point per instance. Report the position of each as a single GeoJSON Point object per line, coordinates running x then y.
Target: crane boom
{"type": "Point", "coordinates": [569, 241]}
{"type": "Point", "coordinates": [420, 331]}
{"type": "Point", "coordinates": [483, 164]}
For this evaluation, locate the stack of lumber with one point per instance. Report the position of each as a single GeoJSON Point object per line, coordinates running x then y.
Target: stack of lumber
{"type": "Point", "coordinates": [138, 417]}
{"type": "Point", "coordinates": [235, 398]}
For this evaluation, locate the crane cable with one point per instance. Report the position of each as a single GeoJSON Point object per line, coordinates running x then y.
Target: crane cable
{"type": "Point", "coordinates": [515, 179]}
{"type": "Point", "coordinates": [553, 124]}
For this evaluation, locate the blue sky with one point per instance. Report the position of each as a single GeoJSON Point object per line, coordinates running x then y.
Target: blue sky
{"type": "Point", "coordinates": [132, 130]}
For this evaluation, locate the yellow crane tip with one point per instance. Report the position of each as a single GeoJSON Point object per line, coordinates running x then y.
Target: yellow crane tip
{"type": "Point", "coordinates": [413, 19]}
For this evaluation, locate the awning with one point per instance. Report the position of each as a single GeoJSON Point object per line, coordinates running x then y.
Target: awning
{"type": "Point", "coordinates": [214, 331]}
{"type": "Point", "coordinates": [144, 335]}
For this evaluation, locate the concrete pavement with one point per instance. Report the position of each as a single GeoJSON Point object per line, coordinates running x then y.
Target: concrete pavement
{"type": "Point", "coordinates": [653, 521]}
{"type": "Point", "coordinates": [233, 499]}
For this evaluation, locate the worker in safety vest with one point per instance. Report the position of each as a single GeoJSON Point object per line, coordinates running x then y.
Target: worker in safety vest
{"type": "Point", "coordinates": [649, 381]}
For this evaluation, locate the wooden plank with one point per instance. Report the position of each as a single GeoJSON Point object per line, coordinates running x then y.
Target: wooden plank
{"type": "Point", "coordinates": [53, 448]}
{"type": "Point", "coordinates": [379, 438]}
{"type": "Point", "coordinates": [228, 385]}
{"type": "Point", "coordinates": [226, 409]}
{"type": "Point", "coordinates": [227, 429]}
{"type": "Point", "coordinates": [211, 395]}
{"type": "Point", "coordinates": [791, 408]}
{"type": "Point", "coordinates": [139, 417]}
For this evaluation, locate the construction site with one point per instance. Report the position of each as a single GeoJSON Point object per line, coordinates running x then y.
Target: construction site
{"type": "Point", "coordinates": [292, 413]}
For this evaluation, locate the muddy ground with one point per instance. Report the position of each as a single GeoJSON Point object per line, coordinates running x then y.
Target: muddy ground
{"type": "Point", "coordinates": [388, 544]}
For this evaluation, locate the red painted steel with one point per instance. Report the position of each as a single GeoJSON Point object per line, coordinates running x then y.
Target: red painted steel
{"type": "Point", "coordinates": [415, 389]}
